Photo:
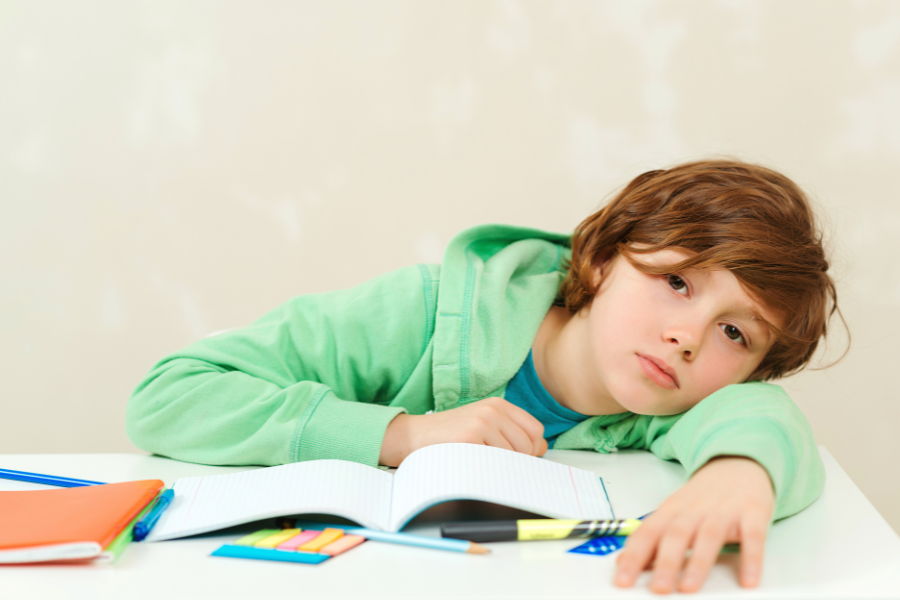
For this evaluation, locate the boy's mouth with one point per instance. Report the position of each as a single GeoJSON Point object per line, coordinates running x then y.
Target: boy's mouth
{"type": "Point", "coordinates": [658, 372]}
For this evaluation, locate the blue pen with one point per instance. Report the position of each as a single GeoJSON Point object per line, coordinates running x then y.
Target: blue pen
{"type": "Point", "coordinates": [143, 527]}
{"type": "Point", "coordinates": [46, 479]}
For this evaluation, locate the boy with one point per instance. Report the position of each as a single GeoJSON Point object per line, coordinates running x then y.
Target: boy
{"type": "Point", "coordinates": [651, 327]}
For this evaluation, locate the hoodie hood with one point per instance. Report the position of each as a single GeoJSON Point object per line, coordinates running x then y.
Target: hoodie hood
{"type": "Point", "coordinates": [497, 284]}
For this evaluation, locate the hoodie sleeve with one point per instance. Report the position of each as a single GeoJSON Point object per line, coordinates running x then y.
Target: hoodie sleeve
{"type": "Point", "coordinates": [311, 379]}
{"type": "Point", "coordinates": [755, 420]}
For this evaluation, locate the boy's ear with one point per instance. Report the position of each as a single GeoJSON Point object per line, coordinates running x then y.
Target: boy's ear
{"type": "Point", "coordinates": [600, 269]}
{"type": "Point", "coordinates": [597, 274]}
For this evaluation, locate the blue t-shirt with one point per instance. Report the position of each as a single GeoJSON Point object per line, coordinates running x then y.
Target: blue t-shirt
{"type": "Point", "coordinates": [527, 392]}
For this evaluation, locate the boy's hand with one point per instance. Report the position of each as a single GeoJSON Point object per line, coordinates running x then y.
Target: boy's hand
{"type": "Point", "coordinates": [491, 422]}
{"type": "Point", "coordinates": [730, 499]}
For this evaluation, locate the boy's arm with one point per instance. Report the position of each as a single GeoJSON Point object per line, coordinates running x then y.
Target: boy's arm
{"type": "Point", "coordinates": [728, 500]}
{"type": "Point", "coordinates": [731, 499]}
{"type": "Point", "coordinates": [751, 457]}
{"type": "Point", "coordinates": [311, 379]}
{"type": "Point", "coordinates": [757, 421]}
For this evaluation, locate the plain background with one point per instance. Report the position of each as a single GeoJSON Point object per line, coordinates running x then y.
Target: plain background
{"type": "Point", "coordinates": [169, 169]}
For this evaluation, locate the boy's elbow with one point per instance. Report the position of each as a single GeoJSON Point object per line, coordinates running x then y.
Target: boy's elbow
{"type": "Point", "coordinates": [140, 425]}
{"type": "Point", "coordinates": [151, 415]}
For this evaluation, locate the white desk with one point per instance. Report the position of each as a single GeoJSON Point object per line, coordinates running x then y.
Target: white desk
{"type": "Point", "coordinates": [840, 547]}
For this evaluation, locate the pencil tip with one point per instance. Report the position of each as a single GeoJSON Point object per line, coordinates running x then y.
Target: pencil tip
{"type": "Point", "coordinates": [477, 549]}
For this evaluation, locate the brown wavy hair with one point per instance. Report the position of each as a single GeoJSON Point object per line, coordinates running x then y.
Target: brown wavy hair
{"type": "Point", "coordinates": [725, 214]}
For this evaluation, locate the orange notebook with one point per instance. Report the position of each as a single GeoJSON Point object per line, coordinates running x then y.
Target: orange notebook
{"type": "Point", "coordinates": [69, 523]}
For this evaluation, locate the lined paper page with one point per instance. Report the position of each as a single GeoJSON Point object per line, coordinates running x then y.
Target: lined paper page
{"type": "Point", "coordinates": [445, 472]}
{"type": "Point", "coordinates": [337, 487]}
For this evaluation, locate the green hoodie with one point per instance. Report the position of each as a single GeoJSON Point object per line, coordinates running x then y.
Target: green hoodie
{"type": "Point", "coordinates": [322, 375]}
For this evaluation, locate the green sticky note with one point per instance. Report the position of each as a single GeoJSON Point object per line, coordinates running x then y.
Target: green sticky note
{"type": "Point", "coordinates": [249, 540]}
{"type": "Point", "coordinates": [112, 552]}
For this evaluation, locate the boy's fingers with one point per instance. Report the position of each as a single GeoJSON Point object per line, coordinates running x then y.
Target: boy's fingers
{"type": "Point", "coordinates": [495, 439]}
{"type": "Point", "coordinates": [533, 428]}
{"type": "Point", "coordinates": [517, 437]}
{"type": "Point", "coordinates": [673, 546]}
{"type": "Point", "coordinates": [753, 546]}
{"type": "Point", "coordinates": [704, 552]}
{"type": "Point", "coordinates": [493, 425]}
{"type": "Point", "coordinates": [638, 552]}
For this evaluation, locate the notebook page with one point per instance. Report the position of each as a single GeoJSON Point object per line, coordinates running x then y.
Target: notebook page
{"type": "Point", "coordinates": [337, 487]}
{"type": "Point", "coordinates": [443, 472]}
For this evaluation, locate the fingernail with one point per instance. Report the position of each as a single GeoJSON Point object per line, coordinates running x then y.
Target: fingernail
{"type": "Point", "coordinates": [661, 584]}
{"type": "Point", "coordinates": [623, 577]}
{"type": "Point", "coordinates": [689, 582]}
{"type": "Point", "coordinates": [751, 577]}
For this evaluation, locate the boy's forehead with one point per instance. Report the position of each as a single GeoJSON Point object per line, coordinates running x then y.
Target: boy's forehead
{"type": "Point", "coordinates": [666, 255]}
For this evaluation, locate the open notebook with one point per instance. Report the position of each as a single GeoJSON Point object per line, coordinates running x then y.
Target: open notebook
{"type": "Point", "coordinates": [380, 500]}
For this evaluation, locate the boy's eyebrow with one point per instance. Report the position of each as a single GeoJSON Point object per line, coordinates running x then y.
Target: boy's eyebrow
{"type": "Point", "coordinates": [757, 322]}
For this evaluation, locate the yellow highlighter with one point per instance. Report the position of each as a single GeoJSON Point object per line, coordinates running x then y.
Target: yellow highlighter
{"type": "Point", "coordinates": [537, 529]}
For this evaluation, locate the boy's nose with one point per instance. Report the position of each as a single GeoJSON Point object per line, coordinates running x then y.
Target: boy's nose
{"type": "Point", "coordinates": [685, 339]}
{"type": "Point", "coordinates": [687, 352]}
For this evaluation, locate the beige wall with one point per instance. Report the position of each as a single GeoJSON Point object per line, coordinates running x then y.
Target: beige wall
{"type": "Point", "coordinates": [170, 169]}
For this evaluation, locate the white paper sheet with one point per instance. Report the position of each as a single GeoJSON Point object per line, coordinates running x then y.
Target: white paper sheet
{"type": "Point", "coordinates": [337, 487]}
{"type": "Point", "coordinates": [445, 472]}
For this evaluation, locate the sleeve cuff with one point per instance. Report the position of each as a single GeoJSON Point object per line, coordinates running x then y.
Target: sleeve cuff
{"type": "Point", "coordinates": [765, 442]}
{"type": "Point", "coordinates": [335, 428]}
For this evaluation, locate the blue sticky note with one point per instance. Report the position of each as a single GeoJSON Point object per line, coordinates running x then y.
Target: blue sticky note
{"type": "Point", "coordinates": [600, 546]}
{"type": "Point", "coordinates": [232, 551]}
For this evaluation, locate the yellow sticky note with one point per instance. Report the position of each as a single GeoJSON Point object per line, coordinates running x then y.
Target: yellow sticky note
{"type": "Point", "coordinates": [328, 535]}
{"type": "Point", "coordinates": [276, 538]}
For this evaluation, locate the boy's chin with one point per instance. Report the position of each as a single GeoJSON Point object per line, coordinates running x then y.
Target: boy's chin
{"type": "Point", "coordinates": [642, 401]}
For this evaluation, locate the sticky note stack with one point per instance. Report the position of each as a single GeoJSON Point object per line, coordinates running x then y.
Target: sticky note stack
{"type": "Point", "coordinates": [291, 545]}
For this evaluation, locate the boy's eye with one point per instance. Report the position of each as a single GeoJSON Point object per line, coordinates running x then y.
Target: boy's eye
{"type": "Point", "coordinates": [733, 333]}
{"type": "Point", "coordinates": [677, 284]}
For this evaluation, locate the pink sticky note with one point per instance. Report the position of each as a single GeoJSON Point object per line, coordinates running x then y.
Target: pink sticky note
{"type": "Point", "coordinates": [301, 538]}
{"type": "Point", "coordinates": [342, 545]}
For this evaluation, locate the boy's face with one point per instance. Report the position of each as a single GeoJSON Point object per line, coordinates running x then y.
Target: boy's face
{"type": "Point", "coordinates": [662, 343]}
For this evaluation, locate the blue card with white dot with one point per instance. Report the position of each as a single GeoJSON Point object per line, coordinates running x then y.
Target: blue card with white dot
{"type": "Point", "coordinates": [600, 546]}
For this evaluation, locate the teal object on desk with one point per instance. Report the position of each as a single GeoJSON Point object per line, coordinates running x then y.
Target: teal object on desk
{"type": "Point", "coordinates": [232, 551]}
{"type": "Point", "coordinates": [142, 528]}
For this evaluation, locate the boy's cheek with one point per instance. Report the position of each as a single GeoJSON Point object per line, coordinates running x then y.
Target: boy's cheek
{"type": "Point", "coordinates": [625, 382]}
{"type": "Point", "coordinates": [712, 376]}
